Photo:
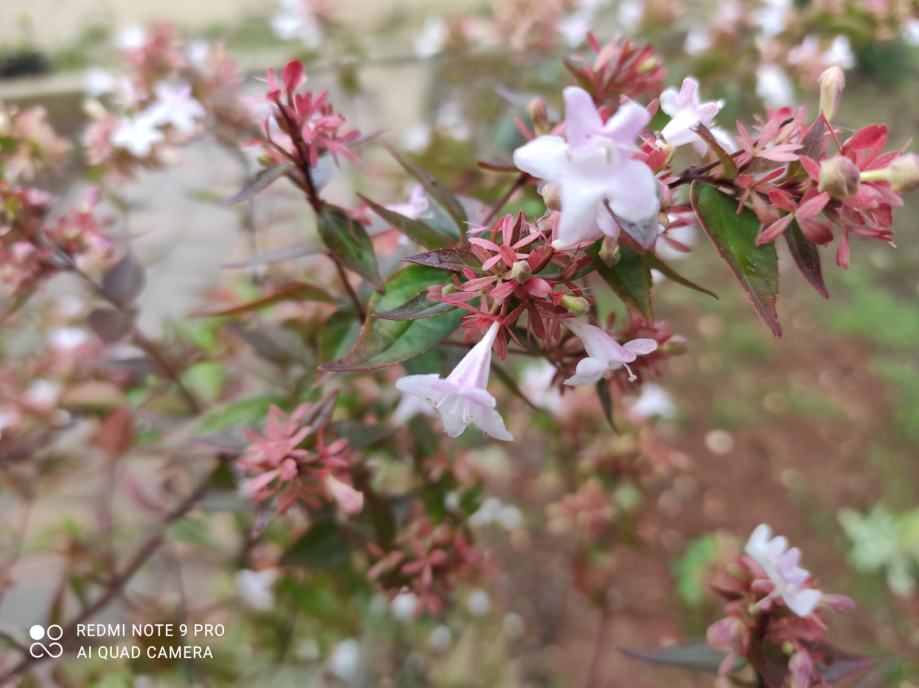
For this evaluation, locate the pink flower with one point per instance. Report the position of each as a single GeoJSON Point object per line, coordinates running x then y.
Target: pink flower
{"type": "Point", "coordinates": [781, 566]}
{"type": "Point", "coordinates": [350, 500]}
{"type": "Point", "coordinates": [687, 113]}
{"type": "Point", "coordinates": [462, 399]}
{"type": "Point", "coordinates": [595, 171]}
{"type": "Point", "coordinates": [603, 353]}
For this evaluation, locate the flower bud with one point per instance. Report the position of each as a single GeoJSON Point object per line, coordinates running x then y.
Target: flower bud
{"type": "Point", "coordinates": [839, 177]}
{"type": "Point", "coordinates": [539, 115]}
{"type": "Point", "coordinates": [904, 172]}
{"type": "Point", "coordinates": [675, 346]}
{"type": "Point", "coordinates": [551, 196]}
{"type": "Point", "coordinates": [832, 83]}
{"type": "Point", "coordinates": [521, 271]}
{"type": "Point", "coordinates": [609, 251]}
{"type": "Point", "coordinates": [800, 669]}
{"type": "Point", "coordinates": [576, 305]}
{"type": "Point", "coordinates": [649, 65]}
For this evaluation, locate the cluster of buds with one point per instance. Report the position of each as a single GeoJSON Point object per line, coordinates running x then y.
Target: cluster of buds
{"type": "Point", "coordinates": [172, 89]}
{"type": "Point", "coordinates": [293, 462]}
{"type": "Point", "coordinates": [774, 614]}
{"type": "Point", "coordinates": [427, 559]}
{"type": "Point", "coordinates": [302, 127]}
{"type": "Point", "coordinates": [29, 143]}
{"type": "Point", "coordinates": [618, 69]}
{"type": "Point", "coordinates": [32, 247]}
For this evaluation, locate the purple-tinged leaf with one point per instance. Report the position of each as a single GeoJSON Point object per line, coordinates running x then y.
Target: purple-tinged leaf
{"type": "Point", "coordinates": [416, 230]}
{"type": "Point", "coordinates": [124, 281]}
{"type": "Point", "coordinates": [299, 250]}
{"type": "Point", "coordinates": [695, 656]}
{"type": "Point", "coordinates": [837, 664]}
{"type": "Point", "coordinates": [734, 237]}
{"type": "Point", "coordinates": [806, 257]}
{"type": "Point", "coordinates": [261, 181]}
{"type": "Point", "coordinates": [295, 291]}
{"type": "Point", "coordinates": [436, 190]}
{"type": "Point", "coordinates": [110, 324]}
{"type": "Point", "coordinates": [453, 259]}
{"type": "Point", "coordinates": [385, 342]}
{"type": "Point", "coordinates": [349, 243]}
{"type": "Point", "coordinates": [416, 308]}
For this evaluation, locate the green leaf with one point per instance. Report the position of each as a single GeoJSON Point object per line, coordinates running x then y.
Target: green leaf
{"type": "Point", "coordinates": [205, 379]}
{"type": "Point", "coordinates": [696, 656]}
{"type": "Point", "coordinates": [295, 291]}
{"type": "Point", "coordinates": [806, 257]}
{"type": "Point", "coordinates": [348, 242]}
{"type": "Point", "coordinates": [630, 279]}
{"type": "Point", "coordinates": [416, 230]}
{"type": "Point", "coordinates": [734, 237]}
{"type": "Point", "coordinates": [667, 271]}
{"type": "Point", "coordinates": [416, 308]}
{"type": "Point", "coordinates": [338, 334]}
{"type": "Point", "coordinates": [385, 342]}
{"type": "Point", "coordinates": [322, 546]}
{"type": "Point", "coordinates": [239, 413]}
{"type": "Point", "coordinates": [440, 194]}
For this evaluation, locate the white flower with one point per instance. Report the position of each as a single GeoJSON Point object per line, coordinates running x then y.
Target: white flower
{"type": "Point", "coordinates": [296, 20]}
{"type": "Point", "coordinates": [416, 204]}
{"type": "Point", "coordinates": [698, 41]}
{"type": "Point", "coordinates": [137, 134]}
{"type": "Point", "coordinates": [176, 107]}
{"type": "Point", "coordinates": [536, 384]}
{"type": "Point", "coordinates": [462, 399]}
{"type": "Point", "coordinates": [43, 394]}
{"type": "Point", "coordinates": [68, 338]}
{"type": "Point", "coordinates": [603, 352]}
{"type": "Point", "coordinates": [653, 401]}
{"type": "Point", "coordinates": [131, 37]}
{"type": "Point", "coordinates": [98, 82]}
{"type": "Point", "coordinates": [772, 17]}
{"type": "Point", "coordinates": [781, 566]}
{"type": "Point", "coordinates": [403, 605]}
{"type": "Point", "coordinates": [198, 53]}
{"type": "Point", "coordinates": [478, 603]}
{"type": "Point", "coordinates": [840, 54]}
{"type": "Point", "coordinates": [686, 113]}
{"type": "Point", "coordinates": [430, 41]}
{"type": "Point", "coordinates": [345, 660]}
{"type": "Point", "coordinates": [255, 587]}
{"type": "Point", "coordinates": [774, 86]}
{"type": "Point", "coordinates": [593, 168]}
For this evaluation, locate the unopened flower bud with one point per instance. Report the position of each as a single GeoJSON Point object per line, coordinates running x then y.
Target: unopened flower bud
{"type": "Point", "coordinates": [832, 83]}
{"type": "Point", "coordinates": [551, 196]}
{"type": "Point", "coordinates": [839, 177]}
{"type": "Point", "coordinates": [649, 65]}
{"type": "Point", "coordinates": [609, 251]}
{"type": "Point", "coordinates": [539, 115]}
{"type": "Point", "coordinates": [904, 172]}
{"type": "Point", "coordinates": [675, 346]}
{"type": "Point", "coordinates": [521, 271]}
{"type": "Point", "coordinates": [576, 305]}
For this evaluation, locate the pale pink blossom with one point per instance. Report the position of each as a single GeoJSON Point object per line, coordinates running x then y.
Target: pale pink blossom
{"type": "Point", "coordinates": [462, 398]}
{"type": "Point", "coordinates": [780, 564]}
{"type": "Point", "coordinates": [595, 171]}
{"type": "Point", "coordinates": [603, 353]}
{"type": "Point", "coordinates": [687, 112]}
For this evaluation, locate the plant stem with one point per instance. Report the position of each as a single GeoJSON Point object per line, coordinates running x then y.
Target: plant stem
{"type": "Point", "coordinates": [519, 183]}
{"type": "Point", "coordinates": [351, 293]}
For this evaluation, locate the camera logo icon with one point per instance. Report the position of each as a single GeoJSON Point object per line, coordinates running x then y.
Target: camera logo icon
{"type": "Point", "coordinates": [44, 641]}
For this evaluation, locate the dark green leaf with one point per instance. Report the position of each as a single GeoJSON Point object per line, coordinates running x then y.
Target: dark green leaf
{"type": "Point", "coordinates": [338, 335]}
{"type": "Point", "coordinates": [453, 259]}
{"type": "Point", "coordinates": [734, 237]}
{"type": "Point", "coordinates": [606, 401]}
{"type": "Point", "coordinates": [656, 263]}
{"type": "Point", "coordinates": [630, 279]}
{"type": "Point", "coordinates": [416, 230]}
{"type": "Point", "coordinates": [806, 257]}
{"type": "Point", "coordinates": [259, 182]}
{"type": "Point", "coordinates": [697, 656]}
{"type": "Point", "coordinates": [436, 190]}
{"type": "Point", "coordinates": [416, 308]}
{"type": "Point", "coordinates": [240, 413]}
{"type": "Point", "coordinates": [322, 546]}
{"type": "Point", "coordinates": [347, 240]}
{"type": "Point", "coordinates": [385, 342]}
{"type": "Point", "coordinates": [295, 291]}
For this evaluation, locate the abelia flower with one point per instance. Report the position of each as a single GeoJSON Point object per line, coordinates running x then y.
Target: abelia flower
{"type": "Point", "coordinates": [595, 171]}
{"type": "Point", "coordinates": [686, 113]}
{"type": "Point", "coordinates": [780, 564]}
{"type": "Point", "coordinates": [137, 134]}
{"type": "Point", "coordinates": [462, 398]}
{"type": "Point", "coordinates": [604, 353]}
{"type": "Point", "coordinates": [175, 107]}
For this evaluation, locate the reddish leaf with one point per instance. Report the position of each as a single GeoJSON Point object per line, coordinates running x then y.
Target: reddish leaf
{"type": "Point", "coordinates": [116, 434]}
{"type": "Point", "coordinates": [124, 281]}
{"type": "Point", "coordinates": [111, 325]}
{"type": "Point", "coordinates": [807, 258]}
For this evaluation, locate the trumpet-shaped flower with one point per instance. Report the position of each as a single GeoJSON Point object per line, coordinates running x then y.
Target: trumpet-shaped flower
{"type": "Point", "coordinates": [462, 399]}
{"type": "Point", "coordinates": [595, 172]}
{"type": "Point", "coordinates": [781, 566]}
{"type": "Point", "coordinates": [604, 353]}
{"type": "Point", "coordinates": [687, 113]}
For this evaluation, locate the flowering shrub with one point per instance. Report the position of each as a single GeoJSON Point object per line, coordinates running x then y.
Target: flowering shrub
{"type": "Point", "coordinates": [337, 413]}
